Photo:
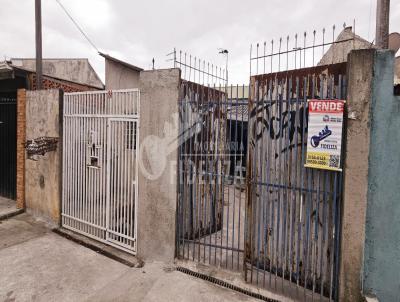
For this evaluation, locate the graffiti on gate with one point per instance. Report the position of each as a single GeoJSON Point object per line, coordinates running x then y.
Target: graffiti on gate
{"type": "Point", "coordinates": [277, 122]}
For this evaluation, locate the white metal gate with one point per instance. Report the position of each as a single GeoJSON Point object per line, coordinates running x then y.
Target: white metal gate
{"type": "Point", "coordinates": [100, 170]}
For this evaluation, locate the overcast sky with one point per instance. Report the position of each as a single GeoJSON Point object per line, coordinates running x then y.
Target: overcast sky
{"type": "Point", "coordinates": [136, 31]}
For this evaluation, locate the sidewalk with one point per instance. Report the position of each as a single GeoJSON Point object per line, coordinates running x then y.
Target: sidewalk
{"type": "Point", "coordinates": [39, 265]}
{"type": "Point", "coordinates": [8, 208]}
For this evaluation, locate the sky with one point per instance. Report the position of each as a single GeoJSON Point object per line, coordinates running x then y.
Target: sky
{"type": "Point", "coordinates": [138, 31]}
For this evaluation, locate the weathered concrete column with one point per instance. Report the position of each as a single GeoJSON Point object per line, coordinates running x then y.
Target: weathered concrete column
{"type": "Point", "coordinates": [382, 240]}
{"type": "Point", "coordinates": [158, 143]}
{"type": "Point", "coordinates": [360, 77]}
{"type": "Point", "coordinates": [43, 176]}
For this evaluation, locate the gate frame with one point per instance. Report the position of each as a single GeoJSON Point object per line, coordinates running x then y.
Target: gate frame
{"type": "Point", "coordinates": [108, 118]}
{"type": "Point", "coordinates": [337, 181]}
{"type": "Point", "coordinates": [108, 181]}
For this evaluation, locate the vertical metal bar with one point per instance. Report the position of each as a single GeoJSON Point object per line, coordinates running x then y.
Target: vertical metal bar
{"type": "Point", "coordinates": [269, 178]}
{"type": "Point", "coordinates": [65, 161]}
{"type": "Point", "coordinates": [285, 180]}
{"type": "Point", "coordinates": [332, 265]}
{"type": "Point", "coordinates": [274, 109]}
{"type": "Point", "coordinates": [263, 201]}
{"type": "Point", "coordinates": [113, 156]}
{"type": "Point", "coordinates": [316, 230]}
{"type": "Point", "coordinates": [130, 151]}
{"type": "Point", "coordinates": [203, 111]}
{"type": "Point", "coordinates": [258, 175]}
{"type": "Point", "coordinates": [75, 167]}
{"type": "Point", "coordinates": [211, 160]}
{"type": "Point", "coordinates": [109, 178]}
{"type": "Point", "coordinates": [125, 168]}
{"type": "Point", "coordinates": [324, 230]}
{"type": "Point", "coordinates": [241, 180]}
{"type": "Point", "coordinates": [96, 171]}
{"type": "Point", "coordinates": [197, 104]}
{"type": "Point", "coordinates": [229, 105]}
{"type": "Point", "coordinates": [197, 166]}
{"type": "Point", "coordinates": [185, 182]}
{"type": "Point", "coordinates": [191, 176]}
{"type": "Point", "coordinates": [181, 224]}
{"type": "Point", "coordinates": [100, 154]}
{"type": "Point", "coordinates": [224, 103]}
{"type": "Point", "coordinates": [279, 246]}
{"type": "Point", "coordinates": [137, 142]}
{"type": "Point", "coordinates": [236, 140]}
{"type": "Point", "coordinates": [337, 233]}
{"type": "Point", "coordinates": [120, 174]}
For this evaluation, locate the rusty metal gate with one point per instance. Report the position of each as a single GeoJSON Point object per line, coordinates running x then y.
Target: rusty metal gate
{"type": "Point", "coordinates": [212, 159]}
{"type": "Point", "coordinates": [292, 240]}
{"type": "Point", "coordinates": [293, 212]}
{"type": "Point", "coordinates": [257, 208]}
{"type": "Point", "coordinates": [100, 170]}
{"type": "Point", "coordinates": [8, 145]}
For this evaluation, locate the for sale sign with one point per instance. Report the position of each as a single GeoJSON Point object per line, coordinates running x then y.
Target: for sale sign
{"type": "Point", "coordinates": [324, 142]}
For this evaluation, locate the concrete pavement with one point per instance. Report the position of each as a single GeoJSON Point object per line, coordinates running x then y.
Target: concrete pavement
{"type": "Point", "coordinates": [39, 265]}
{"type": "Point", "coordinates": [8, 208]}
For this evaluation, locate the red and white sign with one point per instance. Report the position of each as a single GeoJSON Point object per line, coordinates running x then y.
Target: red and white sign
{"type": "Point", "coordinates": [324, 106]}
{"type": "Point", "coordinates": [324, 142]}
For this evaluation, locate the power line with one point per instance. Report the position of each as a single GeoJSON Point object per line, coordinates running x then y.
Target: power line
{"type": "Point", "coordinates": [77, 25]}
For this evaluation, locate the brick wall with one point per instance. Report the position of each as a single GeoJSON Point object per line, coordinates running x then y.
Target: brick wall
{"type": "Point", "coordinates": [51, 83]}
{"type": "Point", "coordinates": [21, 137]}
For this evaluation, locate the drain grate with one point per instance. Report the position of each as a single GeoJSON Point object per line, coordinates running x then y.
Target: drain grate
{"type": "Point", "coordinates": [224, 284]}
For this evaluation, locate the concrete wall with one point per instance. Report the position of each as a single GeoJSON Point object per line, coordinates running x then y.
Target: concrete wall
{"type": "Point", "coordinates": [382, 244]}
{"type": "Point", "coordinates": [157, 171]}
{"type": "Point", "coordinates": [74, 70]}
{"type": "Point", "coordinates": [43, 177]}
{"type": "Point", "coordinates": [119, 76]}
{"type": "Point", "coordinates": [360, 76]}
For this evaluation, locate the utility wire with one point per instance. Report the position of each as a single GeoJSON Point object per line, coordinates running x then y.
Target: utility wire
{"type": "Point", "coordinates": [77, 25]}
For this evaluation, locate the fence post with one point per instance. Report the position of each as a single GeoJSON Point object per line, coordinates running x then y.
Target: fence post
{"type": "Point", "coordinates": [158, 141]}
{"type": "Point", "coordinates": [357, 133]}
